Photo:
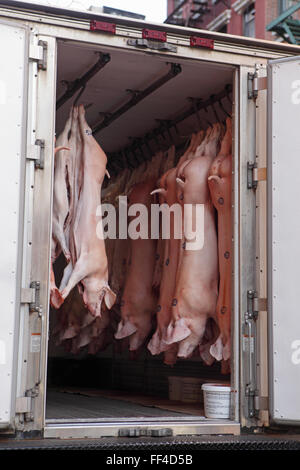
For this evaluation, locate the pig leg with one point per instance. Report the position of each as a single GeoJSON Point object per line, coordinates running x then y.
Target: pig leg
{"type": "Point", "coordinates": [61, 238]}
{"type": "Point", "coordinates": [79, 272]}
{"type": "Point", "coordinates": [210, 336]}
{"type": "Point", "coordinates": [139, 337]}
{"type": "Point", "coordinates": [170, 355]}
{"type": "Point", "coordinates": [56, 298]}
{"type": "Point", "coordinates": [66, 276]}
{"type": "Point", "coordinates": [220, 188]}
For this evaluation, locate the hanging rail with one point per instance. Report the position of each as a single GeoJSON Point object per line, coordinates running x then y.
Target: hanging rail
{"type": "Point", "coordinates": [80, 83]}
{"type": "Point", "coordinates": [137, 97]}
{"type": "Point", "coordinates": [133, 154]}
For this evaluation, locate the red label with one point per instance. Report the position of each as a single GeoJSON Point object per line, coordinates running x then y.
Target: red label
{"type": "Point", "coordinates": [201, 42]}
{"type": "Point", "coordinates": [103, 26]}
{"type": "Point", "coordinates": [153, 34]}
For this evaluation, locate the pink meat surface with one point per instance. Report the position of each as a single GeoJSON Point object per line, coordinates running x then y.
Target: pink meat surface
{"type": "Point", "coordinates": [196, 290]}
{"type": "Point", "coordinates": [169, 269]}
{"type": "Point", "coordinates": [89, 258]}
{"type": "Point", "coordinates": [139, 300]}
{"type": "Point", "coordinates": [220, 177]}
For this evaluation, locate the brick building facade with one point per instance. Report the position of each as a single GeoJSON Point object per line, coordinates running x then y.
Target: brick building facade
{"type": "Point", "coordinates": [240, 17]}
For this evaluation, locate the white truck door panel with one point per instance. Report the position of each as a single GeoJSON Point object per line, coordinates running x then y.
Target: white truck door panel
{"type": "Point", "coordinates": [284, 238]}
{"type": "Point", "coordinates": [13, 52]}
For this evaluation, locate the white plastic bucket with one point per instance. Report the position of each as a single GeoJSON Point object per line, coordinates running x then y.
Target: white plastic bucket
{"type": "Point", "coordinates": [216, 400]}
{"type": "Point", "coordinates": [191, 390]}
{"type": "Point", "coordinates": [174, 388]}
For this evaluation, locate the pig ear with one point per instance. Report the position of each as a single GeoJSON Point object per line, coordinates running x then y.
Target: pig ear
{"type": "Point", "coordinates": [125, 329]}
{"type": "Point", "coordinates": [159, 191]}
{"type": "Point", "coordinates": [157, 345]}
{"type": "Point", "coordinates": [109, 298]}
{"type": "Point", "coordinates": [180, 182]}
{"type": "Point", "coordinates": [216, 349]}
{"type": "Point", "coordinates": [226, 351]}
{"type": "Point", "coordinates": [177, 332]}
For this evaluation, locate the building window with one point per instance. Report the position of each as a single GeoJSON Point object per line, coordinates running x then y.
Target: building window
{"type": "Point", "coordinates": [178, 14]}
{"type": "Point", "coordinates": [285, 4]}
{"type": "Point", "coordinates": [220, 22]}
{"type": "Point", "coordinates": [249, 21]}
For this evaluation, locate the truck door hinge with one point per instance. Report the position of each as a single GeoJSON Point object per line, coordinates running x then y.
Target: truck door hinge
{"type": "Point", "coordinates": [255, 84]}
{"type": "Point", "coordinates": [256, 403]}
{"type": "Point", "coordinates": [261, 403]}
{"type": "Point", "coordinates": [36, 152]}
{"type": "Point", "coordinates": [23, 404]}
{"type": "Point", "coordinates": [260, 304]}
{"type": "Point", "coordinates": [24, 407]}
{"type": "Point", "coordinates": [38, 53]}
{"type": "Point", "coordinates": [31, 296]}
{"type": "Point", "coordinates": [254, 175]}
{"type": "Point", "coordinates": [255, 304]}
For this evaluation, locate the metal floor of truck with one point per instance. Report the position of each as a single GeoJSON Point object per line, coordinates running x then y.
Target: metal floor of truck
{"type": "Point", "coordinates": [71, 403]}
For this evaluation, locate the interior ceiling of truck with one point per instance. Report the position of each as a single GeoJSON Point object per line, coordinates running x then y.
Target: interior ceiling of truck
{"type": "Point", "coordinates": [128, 72]}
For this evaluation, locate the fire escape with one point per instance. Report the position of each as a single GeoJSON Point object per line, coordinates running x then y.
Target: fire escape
{"type": "Point", "coordinates": [188, 13]}
{"type": "Point", "coordinates": [286, 26]}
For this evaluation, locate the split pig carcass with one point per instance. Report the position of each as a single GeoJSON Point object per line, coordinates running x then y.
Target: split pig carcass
{"type": "Point", "coordinates": [81, 177]}
{"type": "Point", "coordinates": [220, 186]}
{"type": "Point", "coordinates": [195, 296]}
{"type": "Point", "coordinates": [139, 299]}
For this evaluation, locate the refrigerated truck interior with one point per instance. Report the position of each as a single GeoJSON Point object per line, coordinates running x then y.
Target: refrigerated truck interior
{"type": "Point", "coordinates": [149, 92]}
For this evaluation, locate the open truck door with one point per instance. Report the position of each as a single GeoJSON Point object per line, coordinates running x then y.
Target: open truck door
{"type": "Point", "coordinates": [13, 99]}
{"type": "Point", "coordinates": [27, 138]}
{"type": "Point", "coordinates": [284, 239]}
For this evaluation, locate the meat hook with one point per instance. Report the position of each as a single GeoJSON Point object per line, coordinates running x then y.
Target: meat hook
{"type": "Point", "coordinates": [212, 97]}
{"type": "Point", "coordinates": [194, 102]}
{"type": "Point", "coordinates": [223, 109]}
{"type": "Point", "coordinates": [208, 122]}
{"type": "Point", "coordinates": [79, 95]}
